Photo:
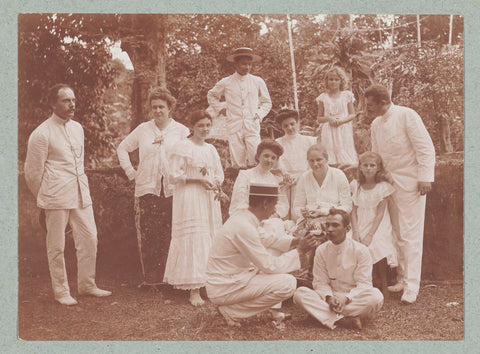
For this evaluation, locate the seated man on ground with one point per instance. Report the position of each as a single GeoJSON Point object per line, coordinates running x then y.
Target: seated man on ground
{"type": "Point", "coordinates": [243, 278]}
{"type": "Point", "coordinates": [342, 292]}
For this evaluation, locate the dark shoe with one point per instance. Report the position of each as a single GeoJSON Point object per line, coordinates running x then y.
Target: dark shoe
{"type": "Point", "coordinates": [392, 275]}
{"type": "Point", "coordinates": [350, 322]}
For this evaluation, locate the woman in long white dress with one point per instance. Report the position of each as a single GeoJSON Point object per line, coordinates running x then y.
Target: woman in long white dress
{"type": "Point", "coordinates": [268, 153]}
{"type": "Point", "coordinates": [195, 173]}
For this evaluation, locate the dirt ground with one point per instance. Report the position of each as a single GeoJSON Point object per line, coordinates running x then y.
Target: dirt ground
{"type": "Point", "coordinates": [130, 314]}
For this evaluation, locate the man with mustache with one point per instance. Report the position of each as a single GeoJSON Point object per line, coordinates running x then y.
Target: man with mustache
{"type": "Point", "coordinates": [342, 293]}
{"type": "Point", "coordinates": [401, 139]}
{"type": "Point", "coordinates": [54, 171]}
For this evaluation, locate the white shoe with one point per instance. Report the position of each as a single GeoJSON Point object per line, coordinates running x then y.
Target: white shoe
{"type": "Point", "coordinates": [408, 297]}
{"type": "Point", "coordinates": [67, 301]}
{"type": "Point", "coordinates": [96, 292]}
{"type": "Point", "coordinates": [396, 288]}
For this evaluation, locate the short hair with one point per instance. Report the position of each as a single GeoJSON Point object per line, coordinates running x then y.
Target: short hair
{"type": "Point", "coordinates": [381, 174]}
{"type": "Point", "coordinates": [161, 93]}
{"type": "Point", "coordinates": [345, 216]}
{"type": "Point", "coordinates": [319, 148]}
{"type": "Point", "coordinates": [341, 74]}
{"type": "Point", "coordinates": [256, 200]}
{"type": "Point", "coordinates": [285, 114]}
{"type": "Point", "coordinates": [269, 144]}
{"type": "Point", "coordinates": [197, 115]}
{"type": "Point", "coordinates": [378, 92]}
{"type": "Point", "coordinates": [53, 92]}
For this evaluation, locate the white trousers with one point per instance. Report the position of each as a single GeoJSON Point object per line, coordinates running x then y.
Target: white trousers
{"type": "Point", "coordinates": [84, 233]}
{"type": "Point", "coordinates": [411, 217]}
{"type": "Point", "coordinates": [260, 294]}
{"type": "Point", "coordinates": [366, 304]}
{"type": "Point", "coordinates": [243, 145]}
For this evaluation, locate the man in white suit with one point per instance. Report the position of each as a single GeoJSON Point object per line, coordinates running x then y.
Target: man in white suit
{"type": "Point", "coordinates": [54, 171]}
{"type": "Point", "coordinates": [400, 137]}
{"type": "Point", "coordinates": [247, 102]}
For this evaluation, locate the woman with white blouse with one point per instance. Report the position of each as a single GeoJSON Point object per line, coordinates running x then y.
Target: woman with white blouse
{"type": "Point", "coordinates": [321, 188]}
{"type": "Point", "coordinates": [268, 153]}
{"type": "Point", "coordinates": [153, 195]}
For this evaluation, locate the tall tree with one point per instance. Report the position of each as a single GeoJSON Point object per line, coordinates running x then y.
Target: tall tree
{"type": "Point", "coordinates": [52, 49]}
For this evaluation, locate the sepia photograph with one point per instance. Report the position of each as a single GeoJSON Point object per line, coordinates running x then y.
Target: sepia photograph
{"type": "Point", "coordinates": [240, 177]}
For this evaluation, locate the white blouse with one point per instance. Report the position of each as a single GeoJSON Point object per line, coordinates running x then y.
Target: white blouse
{"type": "Point", "coordinates": [154, 149]}
{"type": "Point", "coordinates": [294, 159]}
{"type": "Point", "coordinates": [241, 188]}
{"type": "Point", "coordinates": [334, 190]}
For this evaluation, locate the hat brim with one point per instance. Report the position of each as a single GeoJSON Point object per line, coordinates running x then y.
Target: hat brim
{"type": "Point", "coordinates": [255, 58]}
{"type": "Point", "coordinates": [268, 195]}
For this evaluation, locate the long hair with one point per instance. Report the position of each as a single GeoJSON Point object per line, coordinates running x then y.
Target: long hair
{"type": "Point", "coordinates": [341, 74]}
{"type": "Point", "coordinates": [381, 174]}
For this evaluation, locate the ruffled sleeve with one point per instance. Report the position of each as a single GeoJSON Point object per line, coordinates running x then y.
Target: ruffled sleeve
{"type": "Point", "coordinates": [385, 189]}
{"type": "Point", "coordinates": [320, 98]}
{"type": "Point", "coordinates": [349, 96]}
{"type": "Point", "coordinates": [180, 157]}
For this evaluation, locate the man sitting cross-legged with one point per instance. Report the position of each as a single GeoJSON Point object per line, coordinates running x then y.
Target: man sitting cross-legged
{"type": "Point", "coordinates": [243, 278]}
{"type": "Point", "coordinates": [342, 279]}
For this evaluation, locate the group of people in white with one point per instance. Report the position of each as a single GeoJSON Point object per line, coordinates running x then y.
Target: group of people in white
{"type": "Point", "coordinates": [371, 225]}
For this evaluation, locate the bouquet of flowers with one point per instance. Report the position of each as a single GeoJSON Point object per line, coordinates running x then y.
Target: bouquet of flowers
{"type": "Point", "coordinates": [287, 181]}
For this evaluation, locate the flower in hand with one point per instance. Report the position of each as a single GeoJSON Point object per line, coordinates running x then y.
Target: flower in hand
{"type": "Point", "coordinates": [287, 181]}
{"type": "Point", "coordinates": [220, 194]}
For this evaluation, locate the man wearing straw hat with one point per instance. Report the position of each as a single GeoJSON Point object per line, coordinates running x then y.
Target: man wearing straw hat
{"type": "Point", "coordinates": [243, 278]}
{"type": "Point", "coordinates": [247, 102]}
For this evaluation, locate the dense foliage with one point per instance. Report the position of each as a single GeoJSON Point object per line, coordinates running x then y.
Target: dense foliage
{"type": "Point", "coordinates": [53, 49]}
{"type": "Point", "coordinates": [187, 53]}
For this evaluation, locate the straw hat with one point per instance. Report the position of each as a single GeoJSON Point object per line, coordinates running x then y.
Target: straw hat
{"type": "Point", "coordinates": [243, 52]}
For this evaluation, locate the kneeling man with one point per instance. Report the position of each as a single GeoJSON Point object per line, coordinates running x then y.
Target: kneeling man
{"type": "Point", "coordinates": [243, 278]}
{"type": "Point", "coordinates": [342, 279]}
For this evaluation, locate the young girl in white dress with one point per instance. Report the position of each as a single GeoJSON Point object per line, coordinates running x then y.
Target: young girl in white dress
{"type": "Point", "coordinates": [195, 173]}
{"type": "Point", "coordinates": [335, 115]}
{"type": "Point", "coordinates": [371, 224]}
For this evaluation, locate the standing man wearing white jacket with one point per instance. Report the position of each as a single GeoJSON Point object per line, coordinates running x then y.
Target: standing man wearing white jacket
{"type": "Point", "coordinates": [400, 137]}
{"type": "Point", "coordinates": [55, 174]}
{"type": "Point", "coordinates": [247, 102]}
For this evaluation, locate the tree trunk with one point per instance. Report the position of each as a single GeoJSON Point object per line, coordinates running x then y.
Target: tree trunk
{"type": "Point", "coordinates": [445, 136]}
{"type": "Point", "coordinates": [148, 53]}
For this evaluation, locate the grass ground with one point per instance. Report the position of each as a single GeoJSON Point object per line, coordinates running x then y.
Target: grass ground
{"type": "Point", "coordinates": [130, 314]}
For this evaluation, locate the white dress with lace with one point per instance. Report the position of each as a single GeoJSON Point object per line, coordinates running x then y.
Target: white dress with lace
{"type": "Point", "coordinates": [338, 140]}
{"type": "Point", "coordinates": [195, 213]}
{"type": "Point", "coordinates": [367, 202]}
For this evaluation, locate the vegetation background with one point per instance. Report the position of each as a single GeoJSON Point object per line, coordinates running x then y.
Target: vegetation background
{"type": "Point", "coordinates": [186, 53]}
